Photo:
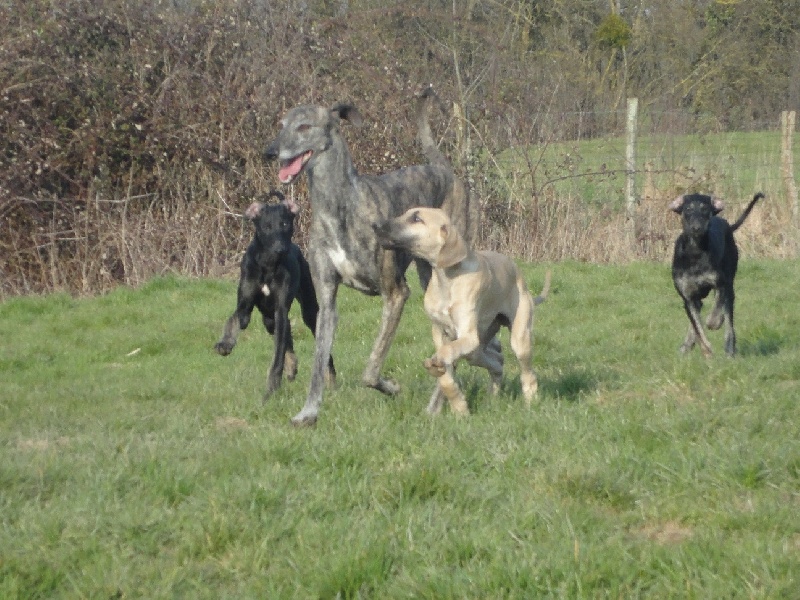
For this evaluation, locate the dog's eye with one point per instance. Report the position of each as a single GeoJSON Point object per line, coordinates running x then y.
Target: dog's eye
{"type": "Point", "coordinates": [415, 218]}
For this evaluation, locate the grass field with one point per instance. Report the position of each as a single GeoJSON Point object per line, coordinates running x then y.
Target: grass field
{"type": "Point", "coordinates": [136, 463]}
{"type": "Point", "coordinates": [733, 165]}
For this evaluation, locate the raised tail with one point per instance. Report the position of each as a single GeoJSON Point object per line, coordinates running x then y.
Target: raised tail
{"type": "Point", "coordinates": [545, 290]}
{"type": "Point", "coordinates": [424, 135]}
{"type": "Point", "coordinates": [458, 204]}
{"type": "Point", "coordinates": [746, 212]}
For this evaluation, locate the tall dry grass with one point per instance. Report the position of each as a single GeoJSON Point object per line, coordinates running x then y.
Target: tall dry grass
{"type": "Point", "coordinates": [93, 246]}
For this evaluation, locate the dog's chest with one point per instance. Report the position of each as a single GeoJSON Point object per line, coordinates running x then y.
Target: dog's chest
{"type": "Point", "coordinates": [439, 306]}
{"type": "Point", "coordinates": [348, 251]}
{"type": "Point", "coordinates": [697, 282]}
{"type": "Point", "coordinates": [352, 273]}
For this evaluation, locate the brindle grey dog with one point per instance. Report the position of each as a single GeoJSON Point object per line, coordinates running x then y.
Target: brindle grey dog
{"type": "Point", "coordinates": [706, 259]}
{"type": "Point", "coordinates": [343, 248]}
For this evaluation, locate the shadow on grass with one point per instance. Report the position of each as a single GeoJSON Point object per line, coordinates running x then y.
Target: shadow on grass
{"type": "Point", "coordinates": [570, 385]}
{"type": "Point", "coordinates": [764, 342]}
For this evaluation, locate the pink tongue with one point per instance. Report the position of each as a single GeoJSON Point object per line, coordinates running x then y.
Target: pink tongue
{"type": "Point", "coordinates": [290, 169]}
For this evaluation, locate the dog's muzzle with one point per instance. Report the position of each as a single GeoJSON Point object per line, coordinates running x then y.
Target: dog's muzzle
{"type": "Point", "coordinates": [383, 233]}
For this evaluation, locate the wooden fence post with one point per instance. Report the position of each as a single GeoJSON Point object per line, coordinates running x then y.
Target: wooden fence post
{"type": "Point", "coordinates": [630, 168]}
{"type": "Point", "coordinates": [790, 187]}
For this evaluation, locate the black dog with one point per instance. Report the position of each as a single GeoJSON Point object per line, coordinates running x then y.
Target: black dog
{"type": "Point", "coordinates": [273, 273]}
{"type": "Point", "coordinates": [706, 258]}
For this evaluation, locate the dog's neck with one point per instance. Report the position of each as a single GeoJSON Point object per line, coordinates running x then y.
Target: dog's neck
{"type": "Point", "coordinates": [268, 261]}
{"type": "Point", "coordinates": [331, 177]}
{"type": "Point", "coordinates": [466, 265]}
{"type": "Point", "coordinates": [695, 244]}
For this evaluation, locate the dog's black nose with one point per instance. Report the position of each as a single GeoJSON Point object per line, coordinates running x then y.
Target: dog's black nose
{"type": "Point", "coordinates": [271, 152]}
{"type": "Point", "coordinates": [381, 229]}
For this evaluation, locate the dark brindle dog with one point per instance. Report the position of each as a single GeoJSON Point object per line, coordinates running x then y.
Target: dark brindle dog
{"type": "Point", "coordinates": [273, 273]}
{"type": "Point", "coordinates": [706, 258]}
{"type": "Point", "coordinates": [343, 248]}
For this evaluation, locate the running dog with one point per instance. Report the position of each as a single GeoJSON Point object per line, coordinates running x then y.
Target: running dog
{"type": "Point", "coordinates": [705, 259]}
{"type": "Point", "coordinates": [470, 296]}
{"type": "Point", "coordinates": [343, 248]}
{"type": "Point", "coordinates": [273, 274]}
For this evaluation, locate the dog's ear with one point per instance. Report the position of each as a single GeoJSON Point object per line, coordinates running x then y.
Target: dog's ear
{"type": "Point", "coordinates": [291, 205]}
{"type": "Point", "coordinates": [454, 250]}
{"type": "Point", "coordinates": [716, 205]}
{"type": "Point", "coordinates": [677, 204]}
{"type": "Point", "coordinates": [348, 112]}
{"type": "Point", "coordinates": [253, 210]}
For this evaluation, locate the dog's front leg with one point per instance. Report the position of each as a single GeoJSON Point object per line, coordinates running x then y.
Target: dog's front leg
{"type": "Point", "coordinates": [450, 352]}
{"type": "Point", "coordinates": [327, 320]}
{"type": "Point", "coordinates": [446, 386]}
{"type": "Point", "coordinates": [696, 328]}
{"type": "Point", "coordinates": [240, 319]}
{"type": "Point", "coordinates": [437, 398]}
{"type": "Point", "coordinates": [447, 383]}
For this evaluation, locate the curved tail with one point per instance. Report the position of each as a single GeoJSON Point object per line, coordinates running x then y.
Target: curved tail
{"type": "Point", "coordinates": [458, 205]}
{"type": "Point", "coordinates": [424, 135]}
{"type": "Point", "coordinates": [746, 212]}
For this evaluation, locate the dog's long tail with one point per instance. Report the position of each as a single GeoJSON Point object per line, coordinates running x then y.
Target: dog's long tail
{"type": "Point", "coordinates": [459, 204]}
{"type": "Point", "coordinates": [424, 135]}
{"type": "Point", "coordinates": [545, 290]}
{"type": "Point", "coordinates": [746, 212]}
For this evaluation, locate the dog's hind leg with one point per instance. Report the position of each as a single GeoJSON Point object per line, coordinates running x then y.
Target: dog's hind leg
{"type": "Point", "coordinates": [489, 356]}
{"type": "Point", "coordinates": [394, 298]}
{"type": "Point", "coordinates": [521, 330]}
{"type": "Point", "coordinates": [283, 346]}
{"type": "Point", "coordinates": [730, 333]}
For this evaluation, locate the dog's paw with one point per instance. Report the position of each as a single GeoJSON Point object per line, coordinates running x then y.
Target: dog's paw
{"type": "Point", "coordinates": [223, 348]}
{"type": "Point", "coordinates": [434, 366]}
{"type": "Point", "coordinates": [386, 386]}
{"type": "Point", "coordinates": [305, 418]}
{"type": "Point", "coordinates": [715, 320]}
{"type": "Point", "coordinates": [459, 407]}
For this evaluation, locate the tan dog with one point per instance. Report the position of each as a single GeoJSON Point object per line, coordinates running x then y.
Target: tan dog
{"type": "Point", "coordinates": [470, 296]}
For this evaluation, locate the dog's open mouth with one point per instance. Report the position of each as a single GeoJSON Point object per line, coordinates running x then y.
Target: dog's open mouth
{"type": "Point", "coordinates": [291, 168]}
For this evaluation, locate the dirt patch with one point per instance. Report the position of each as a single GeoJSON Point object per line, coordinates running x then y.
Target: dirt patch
{"type": "Point", "coordinates": [667, 534]}
{"type": "Point", "coordinates": [231, 423]}
{"type": "Point", "coordinates": [42, 444]}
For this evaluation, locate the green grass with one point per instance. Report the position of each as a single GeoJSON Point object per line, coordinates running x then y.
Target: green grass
{"type": "Point", "coordinates": [733, 165]}
{"type": "Point", "coordinates": [136, 463]}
